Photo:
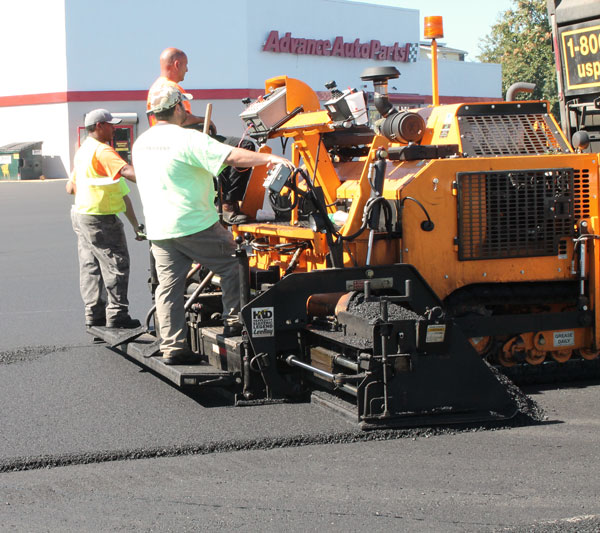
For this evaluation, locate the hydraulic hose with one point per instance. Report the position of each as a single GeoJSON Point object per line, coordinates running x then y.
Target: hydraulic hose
{"type": "Point", "coordinates": [190, 300]}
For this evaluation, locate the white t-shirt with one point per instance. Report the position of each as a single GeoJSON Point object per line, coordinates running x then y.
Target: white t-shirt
{"type": "Point", "coordinates": [174, 170]}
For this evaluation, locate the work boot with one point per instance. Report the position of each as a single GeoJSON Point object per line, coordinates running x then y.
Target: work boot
{"type": "Point", "coordinates": [98, 322]}
{"type": "Point", "coordinates": [232, 329]}
{"type": "Point", "coordinates": [232, 215]}
{"type": "Point", "coordinates": [124, 322]}
{"type": "Point", "coordinates": [184, 357]}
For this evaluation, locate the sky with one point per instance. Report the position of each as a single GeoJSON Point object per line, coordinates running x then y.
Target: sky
{"type": "Point", "coordinates": [465, 21]}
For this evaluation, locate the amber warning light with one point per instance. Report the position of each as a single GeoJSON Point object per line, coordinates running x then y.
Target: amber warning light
{"type": "Point", "coordinates": [434, 28]}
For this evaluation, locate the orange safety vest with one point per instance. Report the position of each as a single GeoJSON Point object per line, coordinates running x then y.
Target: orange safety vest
{"type": "Point", "coordinates": [96, 194]}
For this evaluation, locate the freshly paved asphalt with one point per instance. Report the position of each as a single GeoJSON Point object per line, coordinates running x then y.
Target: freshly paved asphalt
{"type": "Point", "coordinates": [91, 442]}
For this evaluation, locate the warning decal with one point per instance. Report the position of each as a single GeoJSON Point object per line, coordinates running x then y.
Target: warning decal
{"type": "Point", "coordinates": [435, 333]}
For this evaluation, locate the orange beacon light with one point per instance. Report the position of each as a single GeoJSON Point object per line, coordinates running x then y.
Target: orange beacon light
{"type": "Point", "coordinates": [434, 29]}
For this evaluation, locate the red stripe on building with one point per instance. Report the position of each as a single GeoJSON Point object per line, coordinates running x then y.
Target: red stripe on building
{"type": "Point", "coordinates": [119, 96]}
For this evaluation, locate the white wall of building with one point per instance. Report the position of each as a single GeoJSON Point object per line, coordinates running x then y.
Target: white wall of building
{"type": "Point", "coordinates": [32, 40]}
{"type": "Point", "coordinates": [455, 78]}
{"type": "Point", "coordinates": [89, 49]}
{"type": "Point", "coordinates": [134, 33]}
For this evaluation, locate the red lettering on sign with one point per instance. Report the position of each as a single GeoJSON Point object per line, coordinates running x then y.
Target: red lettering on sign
{"type": "Point", "coordinates": [401, 54]}
{"type": "Point", "coordinates": [340, 48]}
{"type": "Point", "coordinates": [284, 43]}
{"type": "Point", "coordinates": [272, 44]}
{"type": "Point", "coordinates": [348, 49]}
{"type": "Point", "coordinates": [375, 48]}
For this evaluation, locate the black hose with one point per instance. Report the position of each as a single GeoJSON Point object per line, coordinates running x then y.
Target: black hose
{"type": "Point", "coordinates": [371, 202]}
{"type": "Point", "coordinates": [149, 317]}
{"type": "Point", "coordinates": [426, 225]}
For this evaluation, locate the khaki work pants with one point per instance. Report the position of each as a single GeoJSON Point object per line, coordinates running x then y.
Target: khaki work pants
{"type": "Point", "coordinates": [214, 249]}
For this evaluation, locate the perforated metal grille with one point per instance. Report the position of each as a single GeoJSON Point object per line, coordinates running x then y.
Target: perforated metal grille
{"type": "Point", "coordinates": [508, 128]}
{"type": "Point", "coordinates": [519, 213]}
{"type": "Point", "coordinates": [581, 184]}
{"type": "Point", "coordinates": [504, 135]}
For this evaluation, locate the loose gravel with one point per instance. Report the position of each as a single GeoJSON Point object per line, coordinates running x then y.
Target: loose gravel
{"type": "Point", "coordinates": [28, 353]}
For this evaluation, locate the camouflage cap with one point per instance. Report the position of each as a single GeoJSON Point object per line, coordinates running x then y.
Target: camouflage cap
{"type": "Point", "coordinates": [166, 97]}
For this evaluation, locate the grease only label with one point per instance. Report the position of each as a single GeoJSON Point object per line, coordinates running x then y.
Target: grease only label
{"type": "Point", "coordinates": [263, 321]}
{"type": "Point", "coordinates": [564, 338]}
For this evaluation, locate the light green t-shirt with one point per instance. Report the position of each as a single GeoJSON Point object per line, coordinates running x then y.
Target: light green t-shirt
{"type": "Point", "coordinates": [174, 170]}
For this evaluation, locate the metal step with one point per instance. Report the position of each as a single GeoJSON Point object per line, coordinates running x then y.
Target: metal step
{"type": "Point", "coordinates": [144, 348]}
{"type": "Point", "coordinates": [115, 336]}
{"type": "Point", "coordinates": [221, 352]}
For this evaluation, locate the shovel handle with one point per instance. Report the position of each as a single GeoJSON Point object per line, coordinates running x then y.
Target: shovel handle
{"type": "Point", "coordinates": [207, 118]}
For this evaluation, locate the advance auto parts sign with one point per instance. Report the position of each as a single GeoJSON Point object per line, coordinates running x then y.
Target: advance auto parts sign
{"type": "Point", "coordinates": [407, 53]}
{"type": "Point", "coordinates": [580, 50]}
{"type": "Point", "coordinates": [263, 322]}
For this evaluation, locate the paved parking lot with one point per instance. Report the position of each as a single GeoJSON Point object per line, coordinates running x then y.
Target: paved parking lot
{"type": "Point", "coordinates": [91, 442]}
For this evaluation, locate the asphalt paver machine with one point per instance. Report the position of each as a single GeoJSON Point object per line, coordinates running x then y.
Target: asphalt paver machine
{"type": "Point", "coordinates": [409, 253]}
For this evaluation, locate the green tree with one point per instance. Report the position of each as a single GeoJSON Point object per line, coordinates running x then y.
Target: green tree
{"type": "Point", "coordinates": [521, 41]}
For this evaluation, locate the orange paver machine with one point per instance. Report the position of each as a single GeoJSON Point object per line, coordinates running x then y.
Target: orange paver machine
{"type": "Point", "coordinates": [409, 253]}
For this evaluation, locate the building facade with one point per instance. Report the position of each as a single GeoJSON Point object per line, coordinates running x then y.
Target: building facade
{"type": "Point", "coordinates": [71, 56]}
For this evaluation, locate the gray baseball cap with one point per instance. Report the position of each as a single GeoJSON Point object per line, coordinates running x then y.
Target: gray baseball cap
{"type": "Point", "coordinates": [166, 97]}
{"type": "Point", "coordinates": [100, 115]}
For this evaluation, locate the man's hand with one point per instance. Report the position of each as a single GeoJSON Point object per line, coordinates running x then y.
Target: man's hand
{"type": "Point", "coordinates": [276, 160]}
{"type": "Point", "coordinates": [239, 157]}
{"type": "Point", "coordinates": [140, 233]}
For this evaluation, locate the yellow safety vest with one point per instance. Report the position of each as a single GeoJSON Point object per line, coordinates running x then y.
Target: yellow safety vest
{"type": "Point", "coordinates": [96, 194]}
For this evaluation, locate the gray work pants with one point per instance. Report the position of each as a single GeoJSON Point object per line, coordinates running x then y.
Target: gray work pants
{"type": "Point", "coordinates": [214, 249]}
{"type": "Point", "coordinates": [103, 265]}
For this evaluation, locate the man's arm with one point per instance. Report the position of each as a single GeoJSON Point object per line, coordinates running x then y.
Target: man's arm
{"type": "Point", "coordinates": [128, 173]}
{"type": "Point", "coordinates": [108, 162]}
{"type": "Point", "coordinates": [130, 214]}
{"type": "Point", "coordinates": [239, 157]}
{"type": "Point", "coordinates": [71, 186]}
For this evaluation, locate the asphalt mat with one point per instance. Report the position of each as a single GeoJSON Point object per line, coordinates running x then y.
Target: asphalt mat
{"type": "Point", "coordinates": [89, 403]}
{"type": "Point", "coordinates": [68, 401]}
{"type": "Point", "coordinates": [296, 467]}
{"type": "Point", "coordinates": [85, 404]}
{"type": "Point", "coordinates": [541, 478]}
